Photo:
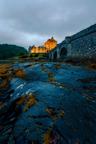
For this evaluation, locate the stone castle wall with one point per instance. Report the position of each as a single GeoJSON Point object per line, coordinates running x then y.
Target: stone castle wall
{"type": "Point", "coordinates": [82, 44]}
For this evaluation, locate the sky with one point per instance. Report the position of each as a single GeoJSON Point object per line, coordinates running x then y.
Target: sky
{"type": "Point", "coordinates": [29, 22]}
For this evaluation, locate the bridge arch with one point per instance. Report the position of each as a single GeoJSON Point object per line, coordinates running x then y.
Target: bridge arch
{"type": "Point", "coordinates": [63, 52]}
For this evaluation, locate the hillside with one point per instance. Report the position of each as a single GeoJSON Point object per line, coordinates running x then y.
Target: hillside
{"type": "Point", "coordinates": [9, 51]}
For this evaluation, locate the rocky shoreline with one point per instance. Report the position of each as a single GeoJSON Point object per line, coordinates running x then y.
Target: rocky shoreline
{"type": "Point", "coordinates": [47, 103]}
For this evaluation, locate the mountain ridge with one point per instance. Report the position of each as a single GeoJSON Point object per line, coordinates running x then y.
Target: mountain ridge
{"type": "Point", "coordinates": [9, 50]}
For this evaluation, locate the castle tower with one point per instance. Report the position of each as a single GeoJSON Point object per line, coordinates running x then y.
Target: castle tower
{"type": "Point", "coordinates": [50, 44]}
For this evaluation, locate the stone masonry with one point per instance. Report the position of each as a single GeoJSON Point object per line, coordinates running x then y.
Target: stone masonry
{"type": "Point", "coordinates": [80, 45]}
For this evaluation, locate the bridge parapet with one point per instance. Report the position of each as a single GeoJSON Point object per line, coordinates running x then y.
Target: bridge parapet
{"type": "Point", "coordinates": [80, 45]}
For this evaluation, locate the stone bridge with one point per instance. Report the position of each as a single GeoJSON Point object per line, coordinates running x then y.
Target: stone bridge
{"type": "Point", "coordinates": [80, 45]}
{"type": "Point", "coordinates": [61, 51]}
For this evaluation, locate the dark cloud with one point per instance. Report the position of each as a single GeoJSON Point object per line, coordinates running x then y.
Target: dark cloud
{"type": "Point", "coordinates": [26, 22]}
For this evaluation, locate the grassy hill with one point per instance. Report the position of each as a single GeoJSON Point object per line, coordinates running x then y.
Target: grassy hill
{"type": "Point", "coordinates": [9, 51]}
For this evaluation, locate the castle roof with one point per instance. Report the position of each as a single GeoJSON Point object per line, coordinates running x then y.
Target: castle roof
{"type": "Point", "coordinates": [51, 40]}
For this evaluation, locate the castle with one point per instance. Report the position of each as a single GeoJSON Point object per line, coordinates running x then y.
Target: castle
{"type": "Point", "coordinates": [49, 45]}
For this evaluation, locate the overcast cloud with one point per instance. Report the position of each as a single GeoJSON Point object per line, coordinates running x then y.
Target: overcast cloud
{"type": "Point", "coordinates": [28, 22]}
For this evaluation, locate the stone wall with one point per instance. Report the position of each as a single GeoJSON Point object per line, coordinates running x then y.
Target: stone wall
{"type": "Point", "coordinates": [82, 44]}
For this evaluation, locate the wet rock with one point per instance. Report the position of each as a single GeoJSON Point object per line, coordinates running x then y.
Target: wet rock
{"type": "Point", "coordinates": [92, 66]}
{"type": "Point", "coordinates": [28, 101]}
{"type": "Point", "coordinates": [48, 103]}
{"type": "Point", "coordinates": [4, 84]}
{"type": "Point", "coordinates": [19, 73]}
{"type": "Point", "coordinates": [51, 137]}
{"type": "Point", "coordinates": [55, 113]}
{"type": "Point", "coordinates": [57, 66]}
{"type": "Point", "coordinates": [88, 80]}
{"type": "Point", "coordinates": [4, 70]}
